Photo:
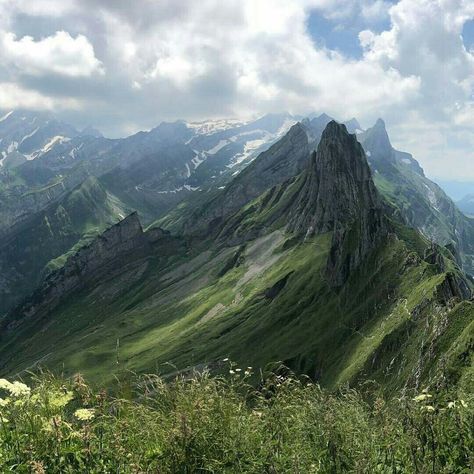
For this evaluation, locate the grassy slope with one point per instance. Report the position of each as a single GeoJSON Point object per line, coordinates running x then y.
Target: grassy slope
{"type": "Point", "coordinates": [182, 310]}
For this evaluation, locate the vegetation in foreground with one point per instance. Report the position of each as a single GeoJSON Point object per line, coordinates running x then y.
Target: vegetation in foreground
{"type": "Point", "coordinates": [203, 423]}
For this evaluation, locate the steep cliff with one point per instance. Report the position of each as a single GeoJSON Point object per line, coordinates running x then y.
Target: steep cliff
{"type": "Point", "coordinates": [339, 196]}
{"type": "Point", "coordinates": [122, 243]}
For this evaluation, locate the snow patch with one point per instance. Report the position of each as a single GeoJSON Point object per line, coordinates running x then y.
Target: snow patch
{"type": "Point", "coordinates": [6, 116]}
{"type": "Point", "coordinates": [29, 135]}
{"type": "Point", "coordinates": [186, 187]}
{"type": "Point", "coordinates": [249, 149]}
{"type": "Point", "coordinates": [212, 126]}
{"type": "Point", "coordinates": [219, 146]}
{"type": "Point", "coordinates": [12, 147]}
{"type": "Point", "coordinates": [54, 141]}
{"type": "Point", "coordinates": [198, 159]}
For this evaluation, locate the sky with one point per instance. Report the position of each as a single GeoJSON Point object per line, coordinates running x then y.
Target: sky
{"type": "Point", "coordinates": [122, 65]}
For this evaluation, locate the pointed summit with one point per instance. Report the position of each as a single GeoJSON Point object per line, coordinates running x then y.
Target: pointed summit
{"type": "Point", "coordinates": [376, 143]}
{"type": "Point", "coordinates": [379, 124]}
{"type": "Point", "coordinates": [339, 196]}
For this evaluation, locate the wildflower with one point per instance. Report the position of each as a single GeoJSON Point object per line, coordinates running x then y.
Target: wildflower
{"type": "Point", "coordinates": [60, 400]}
{"type": "Point", "coordinates": [451, 404]}
{"type": "Point", "coordinates": [429, 408]}
{"type": "Point", "coordinates": [5, 384]}
{"type": "Point", "coordinates": [421, 397]}
{"type": "Point", "coordinates": [225, 360]}
{"type": "Point", "coordinates": [231, 372]}
{"type": "Point", "coordinates": [4, 402]}
{"type": "Point", "coordinates": [463, 403]}
{"type": "Point", "coordinates": [18, 389]}
{"type": "Point", "coordinates": [238, 370]}
{"type": "Point", "coordinates": [84, 414]}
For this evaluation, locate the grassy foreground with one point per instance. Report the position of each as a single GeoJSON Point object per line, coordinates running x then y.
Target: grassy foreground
{"type": "Point", "coordinates": [203, 423]}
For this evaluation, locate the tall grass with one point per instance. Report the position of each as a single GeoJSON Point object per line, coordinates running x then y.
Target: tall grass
{"type": "Point", "coordinates": [215, 424]}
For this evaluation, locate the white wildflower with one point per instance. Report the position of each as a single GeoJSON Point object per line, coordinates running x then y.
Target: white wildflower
{"type": "Point", "coordinates": [84, 414]}
{"type": "Point", "coordinates": [421, 397]}
{"type": "Point", "coordinates": [19, 389]}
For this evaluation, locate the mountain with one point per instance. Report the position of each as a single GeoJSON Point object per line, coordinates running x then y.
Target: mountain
{"type": "Point", "coordinates": [41, 243]}
{"type": "Point", "coordinates": [466, 205]}
{"type": "Point", "coordinates": [314, 270]}
{"type": "Point", "coordinates": [30, 134]}
{"type": "Point", "coordinates": [339, 196]}
{"type": "Point", "coordinates": [43, 159]}
{"type": "Point", "coordinates": [422, 203]}
{"type": "Point", "coordinates": [284, 159]}
{"type": "Point", "coordinates": [63, 194]}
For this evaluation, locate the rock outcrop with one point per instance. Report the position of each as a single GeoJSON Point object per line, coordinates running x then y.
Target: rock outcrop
{"type": "Point", "coordinates": [122, 243]}
{"type": "Point", "coordinates": [338, 195]}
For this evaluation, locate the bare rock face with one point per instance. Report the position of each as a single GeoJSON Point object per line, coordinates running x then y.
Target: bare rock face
{"type": "Point", "coordinates": [453, 287]}
{"type": "Point", "coordinates": [338, 195]}
{"type": "Point", "coordinates": [118, 245]}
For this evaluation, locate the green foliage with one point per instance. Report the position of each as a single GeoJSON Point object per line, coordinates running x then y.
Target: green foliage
{"type": "Point", "coordinates": [200, 423]}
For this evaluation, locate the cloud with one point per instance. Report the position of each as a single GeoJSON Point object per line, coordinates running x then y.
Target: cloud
{"type": "Point", "coordinates": [13, 96]}
{"type": "Point", "coordinates": [137, 63]}
{"type": "Point", "coordinates": [57, 54]}
{"type": "Point", "coordinates": [425, 41]}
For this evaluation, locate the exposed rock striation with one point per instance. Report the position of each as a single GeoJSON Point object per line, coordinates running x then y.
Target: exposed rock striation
{"type": "Point", "coordinates": [338, 195]}
{"type": "Point", "coordinates": [120, 244]}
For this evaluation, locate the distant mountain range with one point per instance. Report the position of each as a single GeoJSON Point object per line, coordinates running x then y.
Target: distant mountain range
{"type": "Point", "coordinates": [307, 241]}
{"type": "Point", "coordinates": [466, 204]}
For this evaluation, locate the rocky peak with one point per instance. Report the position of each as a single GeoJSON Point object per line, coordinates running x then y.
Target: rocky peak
{"type": "Point", "coordinates": [376, 143]}
{"type": "Point", "coordinates": [339, 196]}
{"type": "Point", "coordinates": [338, 184]}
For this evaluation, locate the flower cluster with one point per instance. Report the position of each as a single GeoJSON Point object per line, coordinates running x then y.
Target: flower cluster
{"type": "Point", "coordinates": [84, 414]}
{"type": "Point", "coordinates": [15, 389]}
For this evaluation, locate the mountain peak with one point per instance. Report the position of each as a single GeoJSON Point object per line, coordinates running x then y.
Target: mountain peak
{"type": "Point", "coordinates": [380, 124]}
{"type": "Point", "coordinates": [334, 129]}
{"type": "Point", "coordinates": [339, 196]}
{"type": "Point", "coordinates": [376, 142]}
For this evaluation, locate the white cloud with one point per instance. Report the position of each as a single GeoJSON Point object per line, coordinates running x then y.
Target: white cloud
{"type": "Point", "coordinates": [58, 54]}
{"type": "Point", "coordinates": [13, 96]}
{"type": "Point", "coordinates": [196, 60]}
{"type": "Point", "coordinates": [425, 40]}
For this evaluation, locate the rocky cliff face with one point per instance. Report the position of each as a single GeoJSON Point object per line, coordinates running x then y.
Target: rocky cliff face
{"type": "Point", "coordinates": [339, 196]}
{"type": "Point", "coordinates": [120, 244]}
